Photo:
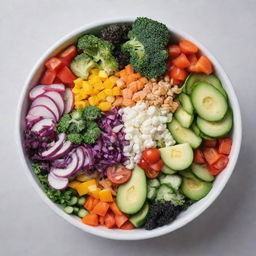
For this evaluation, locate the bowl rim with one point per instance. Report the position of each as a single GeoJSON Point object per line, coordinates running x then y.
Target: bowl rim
{"type": "Point", "coordinates": [121, 234]}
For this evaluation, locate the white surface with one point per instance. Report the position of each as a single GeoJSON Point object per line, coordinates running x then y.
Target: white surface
{"type": "Point", "coordinates": [27, 28]}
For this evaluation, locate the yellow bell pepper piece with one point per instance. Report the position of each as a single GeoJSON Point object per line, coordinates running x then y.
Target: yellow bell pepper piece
{"type": "Point", "coordinates": [82, 188]}
{"type": "Point", "coordinates": [88, 89]}
{"type": "Point", "coordinates": [81, 104]}
{"type": "Point", "coordinates": [116, 91]}
{"type": "Point", "coordinates": [105, 106]}
{"type": "Point", "coordinates": [94, 71]}
{"type": "Point", "coordinates": [99, 86]}
{"type": "Point", "coordinates": [74, 184]}
{"type": "Point", "coordinates": [93, 190]}
{"type": "Point", "coordinates": [105, 195]}
{"type": "Point", "coordinates": [101, 96]}
{"type": "Point", "coordinates": [76, 90]}
{"type": "Point", "coordinates": [78, 82]}
{"type": "Point", "coordinates": [108, 92]}
{"type": "Point", "coordinates": [93, 100]}
{"type": "Point", "coordinates": [109, 84]}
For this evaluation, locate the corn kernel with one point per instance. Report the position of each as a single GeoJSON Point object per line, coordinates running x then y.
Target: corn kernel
{"type": "Point", "coordinates": [109, 84]}
{"type": "Point", "coordinates": [94, 80]}
{"type": "Point", "coordinates": [105, 106]}
{"type": "Point", "coordinates": [99, 86]}
{"type": "Point", "coordinates": [103, 74]}
{"type": "Point", "coordinates": [101, 95]}
{"type": "Point", "coordinates": [78, 82]}
{"type": "Point", "coordinates": [110, 99]}
{"type": "Point", "coordinates": [88, 89]}
{"type": "Point", "coordinates": [80, 104]}
{"type": "Point", "coordinates": [76, 90]}
{"type": "Point", "coordinates": [78, 97]}
{"type": "Point", "coordinates": [93, 100]}
{"type": "Point", "coordinates": [108, 92]}
{"type": "Point", "coordinates": [113, 78]}
{"type": "Point", "coordinates": [116, 91]}
{"type": "Point", "coordinates": [95, 91]}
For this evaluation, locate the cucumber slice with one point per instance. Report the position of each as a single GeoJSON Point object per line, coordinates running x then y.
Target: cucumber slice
{"type": "Point", "coordinates": [216, 129]}
{"type": "Point", "coordinates": [187, 174]}
{"type": "Point", "coordinates": [204, 136]}
{"type": "Point", "coordinates": [183, 135]}
{"type": "Point", "coordinates": [82, 212]}
{"type": "Point", "coordinates": [154, 183]}
{"type": "Point", "coordinates": [195, 189]}
{"type": "Point", "coordinates": [173, 181]}
{"type": "Point", "coordinates": [195, 129]}
{"type": "Point", "coordinates": [186, 103]}
{"type": "Point", "coordinates": [167, 170]}
{"type": "Point", "coordinates": [201, 171]}
{"type": "Point", "coordinates": [208, 102]}
{"type": "Point", "coordinates": [151, 194]}
{"type": "Point", "coordinates": [68, 209]}
{"type": "Point", "coordinates": [193, 78]}
{"type": "Point", "coordinates": [178, 157]}
{"type": "Point", "coordinates": [139, 218]}
{"type": "Point", "coordinates": [183, 117]}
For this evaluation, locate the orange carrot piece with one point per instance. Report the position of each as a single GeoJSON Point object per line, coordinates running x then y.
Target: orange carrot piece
{"type": "Point", "coordinates": [129, 69]}
{"type": "Point", "coordinates": [109, 220]}
{"type": "Point", "coordinates": [91, 219]}
{"type": "Point", "coordinates": [140, 85]}
{"type": "Point", "coordinates": [118, 102]}
{"type": "Point", "coordinates": [204, 65]}
{"type": "Point", "coordinates": [144, 80]}
{"type": "Point", "coordinates": [101, 220]}
{"type": "Point", "coordinates": [139, 96]}
{"type": "Point", "coordinates": [133, 86]}
{"type": "Point", "coordinates": [89, 203]}
{"type": "Point", "coordinates": [128, 103]}
{"type": "Point", "coordinates": [122, 72]}
{"type": "Point", "coordinates": [100, 208]}
{"type": "Point", "coordinates": [120, 220]}
{"type": "Point", "coordinates": [127, 226]}
{"type": "Point", "coordinates": [114, 208]}
{"type": "Point", "coordinates": [127, 93]}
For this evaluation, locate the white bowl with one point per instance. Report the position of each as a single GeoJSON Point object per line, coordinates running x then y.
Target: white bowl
{"type": "Point", "coordinates": [136, 234]}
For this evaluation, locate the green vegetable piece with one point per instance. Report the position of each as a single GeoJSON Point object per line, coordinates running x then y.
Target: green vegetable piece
{"type": "Point", "coordinates": [68, 209]}
{"type": "Point", "coordinates": [75, 138]}
{"type": "Point", "coordinates": [91, 113]}
{"type": "Point", "coordinates": [90, 136]}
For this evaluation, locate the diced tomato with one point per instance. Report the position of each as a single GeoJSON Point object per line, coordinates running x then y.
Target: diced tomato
{"type": "Point", "coordinates": [48, 77]}
{"type": "Point", "coordinates": [225, 146]}
{"type": "Point", "coordinates": [221, 163]}
{"type": "Point", "coordinates": [53, 64]}
{"type": "Point", "coordinates": [151, 155]}
{"type": "Point", "coordinates": [120, 220]}
{"type": "Point", "coordinates": [114, 208]}
{"type": "Point", "coordinates": [157, 166]}
{"type": "Point", "coordinates": [69, 53]}
{"type": "Point", "coordinates": [57, 81]}
{"type": "Point", "coordinates": [89, 203]}
{"type": "Point", "coordinates": [151, 174]}
{"type": "Point", "coordinates": [213, 170]}
{"type": "Point", "coordinates": [181, 61]}
{"type": "Point", "coordinates": [101, 220]}
{"type": "Point", "coordinates": [66, 76]}
{"type": "Point", "coordinates": [210, 143]}
{"type": "Point", "coordinates": [127, 226]}
{"type": "Point", "coordinates": [211, 155]}
{"type": "Point", "coordinates": [204, 65]}
{"type": "Point", "coordinates": [177, 82]}
{"type": "Point", "coordinates": [119, 174]}
{"type": "Point", "coordinates": [178, 73]}
{"type": "Point", "coordinates": [143, 164]}
{"type": "Point", "coordinates": [100, 208]}
{"type": "Point", "coordinates": [174, 50]}
{"type": "Point", "coordinates": [193, 60]}
{"type": "Point", "coordinates": [188, 47]}
{"type": "Point", "coordinates": [109, 220]}
{"type": "Point", "coordinates": [198, 156]}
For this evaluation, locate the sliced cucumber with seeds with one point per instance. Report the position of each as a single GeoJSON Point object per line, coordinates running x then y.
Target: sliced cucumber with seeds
{"type": "Point", "coordinates": [201, 171]}
{"type": "Point", "coordinates": [183, 117]}
{"type": "Point", "coordinates": [73, 200]}
{"type": "Point", "coordinates": [183, 135]}
{"type": "Point", "coordinates": [139, 218]}
{"type": "Point", "coordinates": [173, 181]}
{"type": "Point", "coordinates": [151, 193]}
{"type": "Point", "coordinates": [195, 129]}
{"type": "Point", "coordinates": [154, 183]}
{"type": "Point", "coordinates": [178, 157]}
{"type": "Point", "coordinates": [216, 129]}
{"type": "Point", "coordinates": [186, 103]}
{"type": "Point", "coordinates": [193, 78]}
{"type": "Point", "coordinates": [81, 201]}
{"type": "Point", "coordinates": [68, 209]}
{"type": "Point", "coordinates": [194, 188]}
{"type": "Point", "coordinates": [167, 170]}
{"type": "Point", "coordinates": [208, 102]}
{"type": "Point", "coordinates": [82, 212]}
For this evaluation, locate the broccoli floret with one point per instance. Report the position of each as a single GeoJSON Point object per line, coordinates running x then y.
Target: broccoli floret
{"type": "Point", "coordinates": [91, 135]}
{"type": "Point", "coordinates": [91, 125]}
{"type": "Point", "coordinates": [147, 47]}
{"type": "Point", "coordinates": [161, 213]}
{"type": "Point", "coordinates": [100, 51]}
{"type": "Point", "coordinates": [63, 124]}
{"type": "Point", "coordinates": [91, 113]}
{"type": "Point", "coordinates": [76, 126]}
{"type": "Point", "coordinates": [75, 138]}
{"type": "Point", "coordinates": [82, 64]}
{"type": "Point", "coordinates": [77, 114]}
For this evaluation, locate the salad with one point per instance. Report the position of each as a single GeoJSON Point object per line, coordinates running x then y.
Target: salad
{"type": "Point", "coordinates": [127, 128]}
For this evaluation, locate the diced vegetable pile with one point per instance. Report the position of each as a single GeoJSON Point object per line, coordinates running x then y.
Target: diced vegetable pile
{"type": "Point", "coordinates": [127, 129]}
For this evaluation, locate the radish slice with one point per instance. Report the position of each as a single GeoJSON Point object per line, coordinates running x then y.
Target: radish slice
{"type": "Point", "coordinates": [57, 98]}
{"type": "Point", "coordinates": [40, 111]}
{"type": "Point", "coordinates": [48, 102]}
{"type": "Point", "coordinates": [56, 146]}
{"type": "Point", "coordinates": [69, 100]}
{"type": "Point", "coordinates": [81, 158]}
{"type": "Point", "coordinates": [42, 124]}
{"type": "Point", "coordinates": [57, 182]}
{"type": "Point", "coordinates": [69, 170]}
{"type": "Point", "coordinates": [36, 91]}
{"type": "Point", "coordinates": [55, 88]}
{"type": "Point", "coordinates": [62, 152]}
